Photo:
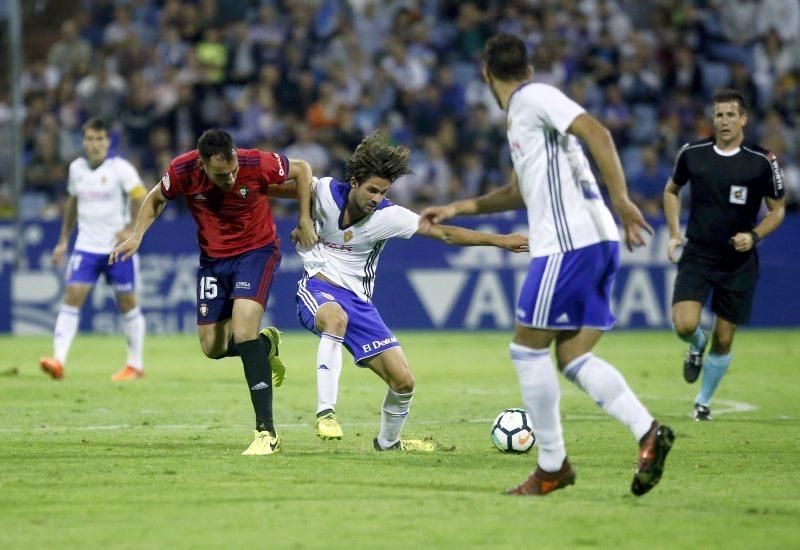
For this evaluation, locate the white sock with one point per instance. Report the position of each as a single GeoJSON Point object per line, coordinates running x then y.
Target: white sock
{"type": "Point", "coordinates": [608, 388]}
{"type": "Point", "coordinates": [134, 324]}
{"type": "Point", "coordinates": [393, 416]}
{"type": "Point", "coordinates": [67, 322]}
{"type": "Point", "coordinates": [329, 367]}
{"type": "Point", "coordinates": [541, 395]}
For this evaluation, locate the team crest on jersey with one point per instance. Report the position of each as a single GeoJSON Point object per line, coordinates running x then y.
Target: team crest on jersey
{"type": "Point", "coordinates": [738, 194]}
{"type": "Point", "coordinates": [203, 309]}
{"type": "Point", "coordinates": [243, 192]}
{"type": "Point", "coordinates": [348, 236]}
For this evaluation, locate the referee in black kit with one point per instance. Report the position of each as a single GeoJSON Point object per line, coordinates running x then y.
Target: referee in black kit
{"type": "Point", "coordinates": [728, 177]}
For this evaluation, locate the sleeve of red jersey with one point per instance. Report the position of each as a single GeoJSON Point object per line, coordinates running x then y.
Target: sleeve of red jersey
{"type": "Point", "coordinates": [172, 182]}
{"type": "Point", "coordinates": [274, 167]}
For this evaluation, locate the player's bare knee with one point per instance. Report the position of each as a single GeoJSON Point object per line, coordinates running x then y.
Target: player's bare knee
{"type": "Point", "coordinates": [404, 383]}
{"type": "Point", "coordinates": [721, 344]}
{"type": "Point", "coordinates": [331, 318]}
{"type": "Point", "coordinates": [126, 303]}
{"type": "Point", "coordinates": [210, 347]}
{"type": "Point", "coordinates": [684, 327]}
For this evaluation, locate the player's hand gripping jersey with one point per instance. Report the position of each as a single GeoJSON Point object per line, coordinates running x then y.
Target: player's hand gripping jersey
{"type": "Point", "coordinates": [348, 255]}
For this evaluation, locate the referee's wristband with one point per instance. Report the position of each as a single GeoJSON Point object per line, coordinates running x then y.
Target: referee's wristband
{"type": "Point", "coordinates": [756, 237]}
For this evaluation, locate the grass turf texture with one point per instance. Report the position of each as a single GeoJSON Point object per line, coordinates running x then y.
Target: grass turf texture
{"type": "Point", "coordinates": [86, 462]}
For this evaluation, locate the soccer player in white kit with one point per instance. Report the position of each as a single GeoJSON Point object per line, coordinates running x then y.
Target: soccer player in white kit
{"type": "Point", "coordinates": [102, 192]}
{"type": "Point", "coordinates": [574, 256]}
{"type": "Point", "coordinates": [354, 220]}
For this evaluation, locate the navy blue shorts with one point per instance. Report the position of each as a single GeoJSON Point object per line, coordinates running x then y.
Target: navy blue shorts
{"type": "Point", "coordinates": [222, 280]}
{"type": "Point", "coordinates": [85, 267]}
{"type": "Point", "coordinates": [366, 335]}
{"type": "Point", "coordinates": [571, 290]}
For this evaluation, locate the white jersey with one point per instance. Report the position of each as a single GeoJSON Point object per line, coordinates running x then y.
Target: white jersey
{"type": "Point", "coordinates": [565, 208]}
{"type": "Point", "coordinates": [102, 195]}
{"type": "Point", "coordinates": [348, 255]}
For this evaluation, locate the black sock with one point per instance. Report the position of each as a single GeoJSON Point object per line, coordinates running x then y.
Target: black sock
{"type": "Point", "coordinates": [259, 379]}
{"type": "Point", "coordinates": [231, 351]}
{"type": "Point", "coordinates": [266, 342]}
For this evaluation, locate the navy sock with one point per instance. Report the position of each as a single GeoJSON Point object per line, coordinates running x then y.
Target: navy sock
{"type": "Point", "coordinates": [259, 379]}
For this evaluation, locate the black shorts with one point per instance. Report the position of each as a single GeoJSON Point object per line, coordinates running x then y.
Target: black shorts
{"type": "Point", "coordinates": [731, 279]}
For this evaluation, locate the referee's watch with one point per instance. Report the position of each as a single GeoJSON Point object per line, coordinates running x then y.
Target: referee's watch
{"type": "Point", "coordinates": [756, 237]}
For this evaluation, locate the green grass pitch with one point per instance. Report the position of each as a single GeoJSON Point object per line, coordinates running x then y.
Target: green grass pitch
{"type": "Point", "coordinates": [87, 463]}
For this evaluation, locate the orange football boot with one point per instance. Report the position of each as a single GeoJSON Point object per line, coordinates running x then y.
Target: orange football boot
{"type": "Point", "coordinates": [128, 373]}
{"type": "Point", "coordinates": [52, 367]}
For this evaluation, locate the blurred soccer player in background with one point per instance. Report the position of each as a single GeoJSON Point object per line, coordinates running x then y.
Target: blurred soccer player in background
{"type": "Point", "coordinates": [104, 195]}
{"type": "Point", "coordinates": [334, 298]}
{"type": "Point", "coordinates": [574, 244]}
{"type": "Point", "coordinates": [226, 190]}
{"type": "Point", "coordinates": [728, 178]}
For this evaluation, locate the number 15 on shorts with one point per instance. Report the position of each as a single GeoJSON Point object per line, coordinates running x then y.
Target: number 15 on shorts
{"type": "Point", "coordinates": [208, 288]}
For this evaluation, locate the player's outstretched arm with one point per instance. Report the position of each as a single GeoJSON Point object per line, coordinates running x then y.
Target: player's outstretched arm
{"type": "Point", "coordinates": [304, 234]}
{"type": "Point", "coordinates": [137, 196]}
{"type": "Point", "coordinates": [67, 225]}
{"type": "Point", "coordinates": [604, 152]}
{"type": "Point", "coordinates": [459, 236]}
{"type": "Point", "coordinates": [502, 199]}
{"type": "Point", "coordinates": [672, 213]}
{"type": "Point", "coordinates": [151, 207]}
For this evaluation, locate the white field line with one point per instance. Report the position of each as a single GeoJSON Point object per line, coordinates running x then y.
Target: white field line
{"type": "Point", "coordinates": [722, 406]}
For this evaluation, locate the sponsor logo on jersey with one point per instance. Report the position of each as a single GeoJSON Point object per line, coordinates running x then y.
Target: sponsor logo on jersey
{"type": "Point", "coordinates": [348, 236]}
{"type": "Point", "coordinates": [377, 344]}
{"type": "Point", "coordinates": [777, 176]}
{"type": "Point", "coordinates": [242, 284]}
{"type": "Point", "coordinates": [337, 246]}
{"type": "Point", "coordinates": [199, 197]}
{"type": "Point", "coordinates": [165, 182]}
{"type": "Point", "coordinates": [328, 296]}
{"type": "Point", "coordinates": [738, 194]}
{"type": "Point", "coordinates": [243, 192]}
{"type": "Point", "coordinates": [203, 309]}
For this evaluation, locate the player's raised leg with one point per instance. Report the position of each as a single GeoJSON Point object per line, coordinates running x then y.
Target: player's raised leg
{"type": "Point", "coordinates": [608, 388]}
{"type": "Point", "coordinates": [392, 366]}
{"type": "Point", "coordinates": [686, 319]}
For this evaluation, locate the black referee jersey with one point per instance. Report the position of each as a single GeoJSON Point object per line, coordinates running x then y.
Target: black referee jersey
{"type": "Point", "coordinates": [726, 189]}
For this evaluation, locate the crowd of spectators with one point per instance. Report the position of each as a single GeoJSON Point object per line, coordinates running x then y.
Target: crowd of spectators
{"type": "Point", "coordinates": [310, 78]}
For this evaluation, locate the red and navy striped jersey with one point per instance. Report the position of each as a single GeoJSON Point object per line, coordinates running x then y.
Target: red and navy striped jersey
{"type": "Point", "coordinates": [235, 221]}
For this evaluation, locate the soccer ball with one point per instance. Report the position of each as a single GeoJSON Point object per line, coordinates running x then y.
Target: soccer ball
{"type": "Point", "coordinates": [512, 431]}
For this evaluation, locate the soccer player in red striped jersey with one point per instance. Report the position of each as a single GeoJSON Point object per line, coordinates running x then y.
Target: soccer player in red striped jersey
{"type": "Point", "coordinates": [226, 190]}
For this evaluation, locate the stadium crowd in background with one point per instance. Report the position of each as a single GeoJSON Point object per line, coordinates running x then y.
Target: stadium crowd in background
{"type": "Point", "coordinates": [311, 78]}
